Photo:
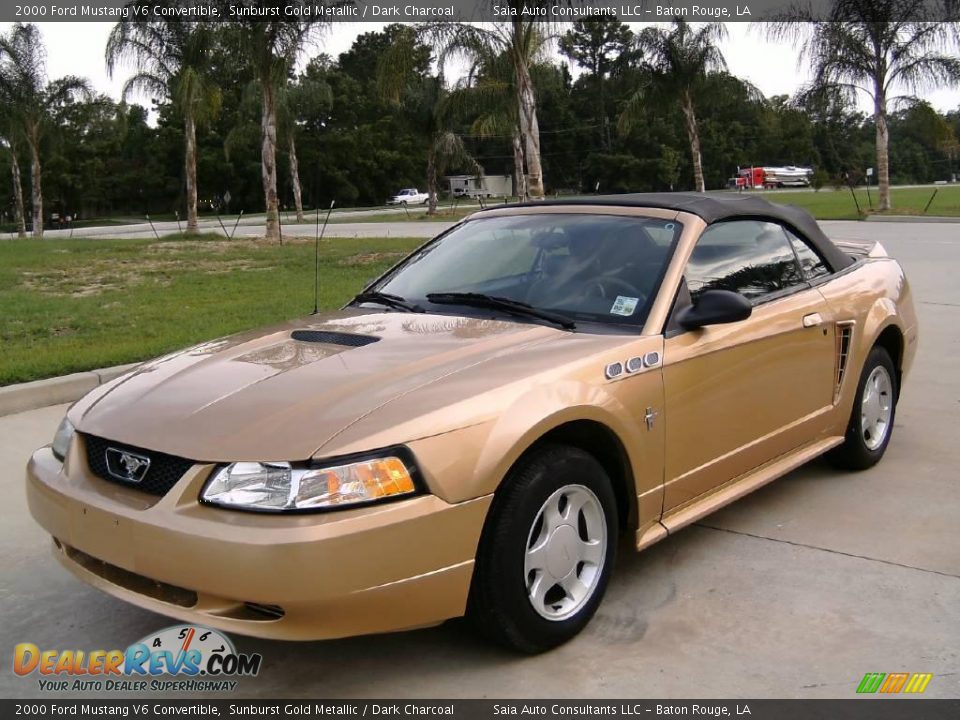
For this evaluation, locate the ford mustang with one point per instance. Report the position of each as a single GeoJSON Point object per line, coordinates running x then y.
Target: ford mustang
{"type": "Point", "coordinates": [472, 433]}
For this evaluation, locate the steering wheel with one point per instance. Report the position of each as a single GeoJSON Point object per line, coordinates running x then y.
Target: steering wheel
{"type": "Point", "coordinates": [609, 286]}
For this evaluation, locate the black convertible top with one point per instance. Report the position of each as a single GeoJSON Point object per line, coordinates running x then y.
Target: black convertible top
{"type": "Point", "coordinates": [717, 207]}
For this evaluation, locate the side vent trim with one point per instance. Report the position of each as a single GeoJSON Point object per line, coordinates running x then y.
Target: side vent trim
{"type": "Point", "coordinates": [844, 344]}
{"type": "Point", "coordinates": [332, 338]}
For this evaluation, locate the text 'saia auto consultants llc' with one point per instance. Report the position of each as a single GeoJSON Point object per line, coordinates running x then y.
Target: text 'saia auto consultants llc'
{"type": "Point", "coordinates": [180, 658]}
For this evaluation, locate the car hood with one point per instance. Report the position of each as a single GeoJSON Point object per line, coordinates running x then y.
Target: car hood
{"type": "Point", "coordinates": [281, 393]}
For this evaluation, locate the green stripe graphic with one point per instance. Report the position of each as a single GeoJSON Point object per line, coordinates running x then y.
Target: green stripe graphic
{"type": "Point", "coordinates": [871, 682]}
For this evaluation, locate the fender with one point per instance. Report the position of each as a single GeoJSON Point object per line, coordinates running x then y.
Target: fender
{"type": "Point", "coordinates": [489, 450]}
{"type": "Point", "coordinates": [545, 408]}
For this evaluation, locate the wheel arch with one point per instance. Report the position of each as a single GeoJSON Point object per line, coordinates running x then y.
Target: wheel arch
{"type": "Point", "coordinates": [602, 443]}
{"type": "Point", "coordinates": [891, 339]}
{"type": "Point", "coordinates": [578, 414]}
{"type": "Point", "coordinates": [883, 326]}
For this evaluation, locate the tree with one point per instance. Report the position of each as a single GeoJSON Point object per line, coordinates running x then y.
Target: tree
{"type": "Point", "coordinates": [305, 99]}
{"type": "Point", "coordinates": [361, 150]}
{"type": "Point", "coordinates": [272, 49]}
{"type": "Point", "coordinates": [404, 79]}
{"type": "Point", "coordinates": [31, 99]}
{"type": "Point", "coordinates": [173, 60]}
{"type": "Point", "coordinates": [488, 95]}
{"type": "Point", "coordinates": [520, 40]}
{"type": "Point", "coordinates": [297, 103]}
{"type": "Point", "coordinates": [599, 44]}
{"type": "Point", "coordinates": [837, 129]}
{"type": "Point", "coordinates": [9, 134]}
{"type": "Point", "coordinates": [785, 134]}
{"type": "Point", "coordinates": [875, 47]}
{"type": "Point", "coordinates": [924, 145]}
{"type": "Point", "coordinates": [677, 62]}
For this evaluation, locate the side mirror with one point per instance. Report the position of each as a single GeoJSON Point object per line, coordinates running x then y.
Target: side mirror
{"type": "Point", "coordinates": [715, 307]}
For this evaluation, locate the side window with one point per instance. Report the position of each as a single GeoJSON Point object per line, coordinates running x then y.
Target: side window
{"type": "Point", "coordinates": [751, 257]}
{"type": "Point", "coordinates": [812, 264]}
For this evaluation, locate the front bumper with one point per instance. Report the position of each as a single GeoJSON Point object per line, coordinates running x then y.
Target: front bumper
{"type": "Point", "coordinates": [382, 568]}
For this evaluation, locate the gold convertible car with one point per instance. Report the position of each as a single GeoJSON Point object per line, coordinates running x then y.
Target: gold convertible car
{"type": "Point", "coordinates": [473, 432]}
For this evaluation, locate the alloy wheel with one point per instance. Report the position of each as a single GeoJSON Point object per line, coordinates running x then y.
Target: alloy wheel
{"type": "Point", "coordinates": [565, 552]}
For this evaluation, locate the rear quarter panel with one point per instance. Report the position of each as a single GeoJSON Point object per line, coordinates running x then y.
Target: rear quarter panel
{"type": "Point", "coordinates": [874, 294]}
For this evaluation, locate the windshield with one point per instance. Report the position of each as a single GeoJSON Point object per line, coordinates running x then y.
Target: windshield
{"type": "Point", "coordinates": [590, 268]}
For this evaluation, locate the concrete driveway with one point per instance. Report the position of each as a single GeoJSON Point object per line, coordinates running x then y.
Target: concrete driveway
{"type": "Point", "coordinates": [795, 591]}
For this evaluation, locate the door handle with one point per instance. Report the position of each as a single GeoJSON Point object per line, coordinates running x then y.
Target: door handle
{"type": "Point", "coordinates": [812, 320]}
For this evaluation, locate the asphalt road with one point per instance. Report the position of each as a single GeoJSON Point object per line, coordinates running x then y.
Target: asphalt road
{"type": "Point", "coordinates": [795, 591]}
{"type": "Point", "coordinates": [411, 228]}
{"type": "Point", "coordinates": [253, 226]}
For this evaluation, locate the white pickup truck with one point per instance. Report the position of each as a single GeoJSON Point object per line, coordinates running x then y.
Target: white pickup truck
{"type": "Point", "coordinates": [409, 196]}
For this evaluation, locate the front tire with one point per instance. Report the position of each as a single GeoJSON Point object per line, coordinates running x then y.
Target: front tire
{"type": "Point", "coordinates": [547, 551]}
{"type": "Point", "coordinates": [872, 418]}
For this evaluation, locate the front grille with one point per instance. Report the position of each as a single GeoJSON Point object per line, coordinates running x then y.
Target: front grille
{"type": "Point", "coordinates": [333, 338]}
{"type": "Point", "coordinates": [164, 471]}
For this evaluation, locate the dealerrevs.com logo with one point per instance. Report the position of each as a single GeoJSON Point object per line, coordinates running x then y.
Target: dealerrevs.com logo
{"type": "Point", "coordinates": [204, 658]}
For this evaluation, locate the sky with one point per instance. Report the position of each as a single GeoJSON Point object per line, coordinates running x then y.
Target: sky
{"type": "Point", "coordinates": [77, 49]}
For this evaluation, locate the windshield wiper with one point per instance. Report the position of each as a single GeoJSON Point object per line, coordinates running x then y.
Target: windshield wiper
{"type": "Point", "coordinates": [495, 302]}
{"type": "Point", "coordinates": [381, 298]}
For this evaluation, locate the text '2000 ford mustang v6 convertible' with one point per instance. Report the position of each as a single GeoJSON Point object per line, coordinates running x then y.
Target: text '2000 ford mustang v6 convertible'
{"type": "Point", "coordinates": [472, 433]}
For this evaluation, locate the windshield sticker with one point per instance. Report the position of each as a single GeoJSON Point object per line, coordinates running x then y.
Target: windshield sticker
{"type": "Point", "coordinates": [624, 305]}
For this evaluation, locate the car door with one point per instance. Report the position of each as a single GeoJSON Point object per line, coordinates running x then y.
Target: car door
{"type": "Point", "coordinates": [739, 395]}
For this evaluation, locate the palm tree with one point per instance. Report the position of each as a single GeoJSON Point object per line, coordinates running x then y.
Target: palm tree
{"type": "Point", "coordinates": [272, 48]}
{"type": "Point", "coordinates": [520, 40]}
{"type": "Point", "coordinates": [677, 62]}
{"type": "Point", "coordinates": [9, 133]}
{"type": "Point", "coordinates": [173, 59]}
{"type": "Point", "coordinates": [31, 99]}
{"type": "Point", "coordinates": [487, 94]}
{"type": "Point", "coordinates": [404, 83]}
{"type": "Point", "coordinates": [868, 46]}
{"type": "Point", "coordinates": [305, 98]}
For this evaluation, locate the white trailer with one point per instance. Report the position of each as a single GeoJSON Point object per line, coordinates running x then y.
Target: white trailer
{"type": "Point", "coordinates": [480, 185]}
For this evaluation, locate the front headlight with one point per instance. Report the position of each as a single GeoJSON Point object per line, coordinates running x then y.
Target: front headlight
{"type": "Point", "coordinates": [62, 438]}
{"type": "Point", "coordinates": [281, 487]}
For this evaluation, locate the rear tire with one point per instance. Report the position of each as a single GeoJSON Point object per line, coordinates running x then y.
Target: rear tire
{"type": "Point", "coordinates": [547, 551]}
{"type": "Point", "coordinates": [873, 415]}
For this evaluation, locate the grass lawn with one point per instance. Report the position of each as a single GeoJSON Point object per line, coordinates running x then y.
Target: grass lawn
{"type": "Point", "coordinates": [78, 304]}
{"type": "Point", "coordinates": [829, 204]}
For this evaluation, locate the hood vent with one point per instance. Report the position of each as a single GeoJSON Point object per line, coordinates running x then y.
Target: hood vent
{"type": "Point", "coordinates": [332, 338]}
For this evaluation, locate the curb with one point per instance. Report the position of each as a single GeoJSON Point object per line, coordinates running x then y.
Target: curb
{"type": "Point", "coordinates": [911, 219]}
{"type": "Point", "coordinates": [57, 390]}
